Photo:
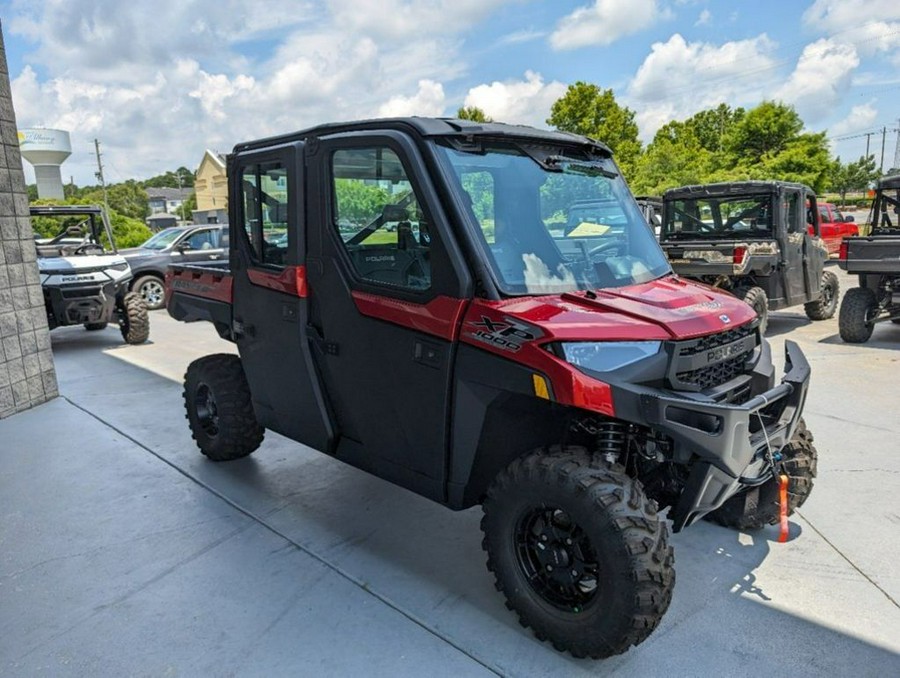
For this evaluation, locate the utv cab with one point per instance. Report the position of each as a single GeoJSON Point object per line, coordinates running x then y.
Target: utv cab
{"type": "Point", "coordinates": [83, 282]}
{"type": "Point", "coordinates": [758, 240]}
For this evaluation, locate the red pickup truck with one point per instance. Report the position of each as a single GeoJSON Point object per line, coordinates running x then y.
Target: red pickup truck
{"type": "Point", "coordinates": [834, 226]}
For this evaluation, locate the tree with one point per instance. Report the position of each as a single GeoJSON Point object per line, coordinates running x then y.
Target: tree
{"type": "Point", "coordinates": [473, 113]}
{"type": "Point", "coordinates": [764, 130]}
{"type": "Point", "coordinates": [854, 176]}
{"type": "Point", "coordinates": [357, 201]}
{"type": "Point", "coordinates": [186, 209]}
{"type": "Point", "coordinates": [128, 198]}
{"type": "Point", "coordinates": [588, 110]}
{"type": "Point", "coordinates": [180, 178]}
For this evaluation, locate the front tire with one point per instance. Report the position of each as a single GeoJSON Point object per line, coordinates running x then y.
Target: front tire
{"type": "Point", "coordinates": [824, 307]}
{"type": "Point", "coordinates": [857, 311]}
{"type": "Point", "coordinates": [134, 322]}
{"type": "Point", "coordinates": [579, 551]}
{"type": "Point", "coordinates": [757, 507]}
{"type": "Point", "coordinates": [152, 290]}
{"type": "Point", "coordinates": [219, 408]}
{"type": "Point", "coordinates": [756, 298]}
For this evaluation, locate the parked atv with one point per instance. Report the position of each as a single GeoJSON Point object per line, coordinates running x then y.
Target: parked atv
{"type": "Point", "coordinates": [758, 240]}
{"type": "Point", "coordinates": [498, 326]}
{"type": "Point", "coordinates": [875, 258]}
{"type": "Point", "coordinates": [84, 283]}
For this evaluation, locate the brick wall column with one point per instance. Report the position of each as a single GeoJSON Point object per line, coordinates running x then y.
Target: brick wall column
{"type": "Point", "coordinates": [27, 374]}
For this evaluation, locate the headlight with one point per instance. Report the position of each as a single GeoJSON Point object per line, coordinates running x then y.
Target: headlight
{"type": "Point", "coordinates": [606, 356]}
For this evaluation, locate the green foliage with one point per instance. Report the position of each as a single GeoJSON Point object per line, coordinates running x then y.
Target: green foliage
{"type": "Point", "coordinates": [472, 113]}
{"type": "Point", "coordinates": [764, 130]}
{"type": "Point", "coordinates": [359, 202]}
{"type": "Point", "coordinates": [127, 232]}
{"type": "Point", "coordinates": [854, 176]}
{"type": "Point", "coordinates": [186, 210]}
{"type": "Point", "coordinates": [588, 110]}
{"type": "Point", "coordinates": [180, 178]}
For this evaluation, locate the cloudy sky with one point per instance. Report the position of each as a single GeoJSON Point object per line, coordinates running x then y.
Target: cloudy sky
{"type": "Point", "coordinates": [159, 82]}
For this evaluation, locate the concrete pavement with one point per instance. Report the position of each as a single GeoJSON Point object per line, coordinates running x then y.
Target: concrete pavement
{"type": "Point", "coordinates": [124, 552]}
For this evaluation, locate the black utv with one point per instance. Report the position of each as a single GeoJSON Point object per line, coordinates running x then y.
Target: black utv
{"type": "Point", "coordinates": [875, 258]}
{"type": "Point", "coordinates": [758, 240]}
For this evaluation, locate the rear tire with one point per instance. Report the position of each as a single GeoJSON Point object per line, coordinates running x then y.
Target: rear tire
{"type": "Point", "coordinates": [219, 408]}
{"type": "Point", "coordinates": [95, 327]}
{"type": "Point", "coordinates": [134, 322]}
{"type": "Point", "coordinates": [579, 551]}
{"type": "Point", "coordinates": [152, 290]}
{"type": "Point", "coordinates": [756, 298]}
{"type": "Point", "coordinates": [824, 307]}
{"type": "Point", "coordinates": [757, 507]}
{"type": "Point", "coordinates": [857, 310]}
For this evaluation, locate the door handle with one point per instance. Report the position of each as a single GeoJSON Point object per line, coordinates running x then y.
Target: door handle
{"type": "Point", "coordinates": [315, 336]}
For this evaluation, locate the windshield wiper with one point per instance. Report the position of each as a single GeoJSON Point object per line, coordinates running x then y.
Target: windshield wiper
{"type": "Point", "coordinates": [560, 163]}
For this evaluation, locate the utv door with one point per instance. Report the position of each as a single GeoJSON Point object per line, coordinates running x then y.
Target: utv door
{"type": "Point", "coordinates": [793, 241]}
{"type": "Point", "coordinates": [268, 223]}
{"type": "Point", "coordinates": [814, 251]}
{"type": "Point", "coordinates": [387, 291]}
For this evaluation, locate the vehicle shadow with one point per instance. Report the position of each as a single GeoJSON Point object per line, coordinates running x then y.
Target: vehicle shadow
{"type": "Point", "coordinates": [427, 561]}
{"type": "Point", "coordinates": [886, 336]}
{"type": "Point", "coordinates": [782, 323]}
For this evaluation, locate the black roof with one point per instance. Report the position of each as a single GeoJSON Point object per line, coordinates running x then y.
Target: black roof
{"type": "Point", "coordinates": [433, 127]}
{"type": "Point", "coordinates": [49, 210]}
{"type": "Point", "coordinates": [732, 188]}
{"type": "Point", "coordinates": [892, 181]}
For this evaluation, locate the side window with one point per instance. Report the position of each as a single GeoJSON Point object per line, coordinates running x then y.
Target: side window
{"type": "Point", "coordinates": [823, 216]}
{"type": "Point", "coordinates": [795, 225]}
{"type": "Point", "coordinates": [202, 240]}
{"type": "Point", "coordinates": [265, 206]}
{"type": "Point", "coordinates": [379, 219]}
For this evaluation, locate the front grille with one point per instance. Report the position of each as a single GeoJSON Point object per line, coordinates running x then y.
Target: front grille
{"type": "Point", "coordinates": [689, 370]}
{"type": "Point", "coordinates": [714, 375]}
{"type": "Point", "coordinates": [79, 292]}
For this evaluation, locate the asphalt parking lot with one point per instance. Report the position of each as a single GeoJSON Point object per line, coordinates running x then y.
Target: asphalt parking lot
{"type": "Point", "coordinates": [124, 552]}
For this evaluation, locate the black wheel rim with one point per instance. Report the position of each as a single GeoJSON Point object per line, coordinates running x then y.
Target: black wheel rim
{"type": "Point", "coordinates": [207, 413]}
{"type": "Point", "coordinates": [828, 296]}
{"type": "Point", "coordinates": [557, 558]}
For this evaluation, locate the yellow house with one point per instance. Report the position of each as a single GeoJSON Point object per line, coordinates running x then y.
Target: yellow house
{"type": "Point", "coordinates": [211, 185]}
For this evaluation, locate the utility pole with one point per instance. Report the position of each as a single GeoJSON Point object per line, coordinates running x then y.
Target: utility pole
{"type": "Point", "coordinates": [883, 135]}
{"type": "Point", "coordinates": [868, 134]}
{"type": "Point", "coordinates": [99, 174]}
{"type": "Point", "coordinates": [897, 148]}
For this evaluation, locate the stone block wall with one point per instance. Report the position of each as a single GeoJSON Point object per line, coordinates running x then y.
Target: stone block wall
{"type": "Point", "coordinates": [27, 373]}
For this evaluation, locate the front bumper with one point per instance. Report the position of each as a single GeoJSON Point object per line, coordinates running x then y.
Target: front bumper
{"type": "Point", "coordinates": [725, 445]}
{"type": "Point", "coordinates": [80, 304]}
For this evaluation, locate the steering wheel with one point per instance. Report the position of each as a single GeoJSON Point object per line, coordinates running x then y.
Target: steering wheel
{"type": "Point", "coordinates": [608, 245]}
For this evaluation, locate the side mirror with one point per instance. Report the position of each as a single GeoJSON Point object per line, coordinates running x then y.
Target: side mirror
{"type": "Point", "coordinates": [849, 219]}
{"type": "Point", "coordinates": [184, 246]}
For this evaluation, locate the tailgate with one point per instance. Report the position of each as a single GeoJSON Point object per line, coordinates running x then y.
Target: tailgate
{"type": "Point", "coordinates": [872, 254]}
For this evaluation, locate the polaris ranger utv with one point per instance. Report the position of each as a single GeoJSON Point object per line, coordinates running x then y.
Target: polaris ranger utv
{"type": "Point", "coordinates": [83, 283]}
{"type": "Point", "coordinates": [431, 317]}
{"type": "Point", "coordinates": [757, 239]}
{"type": "Point", "coordinates": [875, 258]}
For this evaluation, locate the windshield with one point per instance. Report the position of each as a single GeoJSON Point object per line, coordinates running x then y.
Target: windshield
{"type": "Point", "coordinates": [162, 239]}
{"type": "Point", "coordinates": [718, 217]}
{"type": "Point", "coordinates": [554, 223]}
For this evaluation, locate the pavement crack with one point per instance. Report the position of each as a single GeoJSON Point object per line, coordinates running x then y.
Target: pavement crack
{"type": "Point", "coordinates": [845, 557]}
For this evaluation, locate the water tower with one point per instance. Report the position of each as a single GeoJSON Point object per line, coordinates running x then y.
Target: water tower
{"type": "Point", "coordinates": [46, 150]}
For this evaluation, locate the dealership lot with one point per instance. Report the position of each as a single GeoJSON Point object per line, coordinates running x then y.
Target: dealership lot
{"type": "Point", "coordinates": [125, 552]}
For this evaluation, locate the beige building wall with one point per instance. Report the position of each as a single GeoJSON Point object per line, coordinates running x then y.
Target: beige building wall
{"type": "Point", "coordinates": [211, 183]}
{"type": "Point", "coordinates": [27, 373]}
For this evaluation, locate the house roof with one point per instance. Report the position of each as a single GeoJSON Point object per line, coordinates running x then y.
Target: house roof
{"type": "Point", "coordinates": [169, 193]}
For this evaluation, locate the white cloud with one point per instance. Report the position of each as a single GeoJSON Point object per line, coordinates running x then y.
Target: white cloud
{"type": "Point", "coordinates": [604, 22]}
{"type": "Point", "coordinates": [859, 119]}
{"type": "Point", "coordinates": [704, 19]}
{"type": "Point", "coordinates": [411, 18]}
{"type": "Point", "coordinates": [872, 25]}
{"type": "Point", "coordinates": [223, 72]}
{"type": "Point", "coordinates": [428, 101]}
{"type": "Point", "coordinates": [822, 76]}
{"type": "Point", "coordinates": [679, 78]}
{"type": "Point", "coordinates": [525, 102]}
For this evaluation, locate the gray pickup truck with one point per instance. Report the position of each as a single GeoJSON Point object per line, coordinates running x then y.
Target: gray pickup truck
{"type": "Point", "coordinates": [876, 260]}
{"type": "Point", "coordinates": [176, 245]}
